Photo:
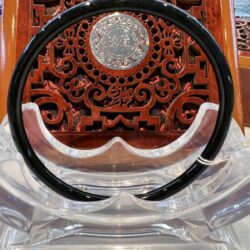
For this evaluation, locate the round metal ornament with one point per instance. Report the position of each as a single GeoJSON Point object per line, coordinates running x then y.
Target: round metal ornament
{"type": "Point", "coordinates": [119, 41]}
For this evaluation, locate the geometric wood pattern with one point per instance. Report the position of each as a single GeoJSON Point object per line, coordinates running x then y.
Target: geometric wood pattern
{"type": "Point", "coordinates": [243, 40]}
{"type": "Point", "coordinates": [30, 15]}
{"type": "Point", "coordinates": [243, 36]}
{"type": "Point", "coordinates": [78, 97]}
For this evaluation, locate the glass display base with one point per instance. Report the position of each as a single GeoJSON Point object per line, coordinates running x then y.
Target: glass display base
{"type": "Point", "coordinates": [176, 234]}
{"type": "Point", "coordinates": [199, 217]}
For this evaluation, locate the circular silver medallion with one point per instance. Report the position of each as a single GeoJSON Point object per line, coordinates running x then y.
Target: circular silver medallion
{"type": "Point", "coordinates": [119, 41]}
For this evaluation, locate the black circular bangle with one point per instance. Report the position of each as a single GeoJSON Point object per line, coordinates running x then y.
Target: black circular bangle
{"type": "Point", "coordinates": [85, 10]}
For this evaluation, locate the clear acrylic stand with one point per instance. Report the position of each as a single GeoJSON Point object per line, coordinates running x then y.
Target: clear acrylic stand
{"type": "Point", "coordinates": [200, 217]}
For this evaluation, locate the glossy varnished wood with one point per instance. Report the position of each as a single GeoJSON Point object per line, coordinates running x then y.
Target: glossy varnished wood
{"type": "Point", "coordinates": [218, 16]}
{"type": "Point", "coordinates": [231, 52]}
{"type": "Point", "coordinates": [243, 39]}
{"type": "Point", "coordinates": [8, 39]}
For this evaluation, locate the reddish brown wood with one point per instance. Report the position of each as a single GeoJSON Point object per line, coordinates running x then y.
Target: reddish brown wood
{"type": "Point", "coordinates": [245, 84]}
{"type": "Point", "coordinates": [243, 36]}
{"type": "Point", "coordinates": [246, 108]}
{"type": "Point", "coordinates": [243, 40]}
{"type": "Point", "coordinates": [69, 105]}
{"type": "Point", "coordinates": [78, 95]}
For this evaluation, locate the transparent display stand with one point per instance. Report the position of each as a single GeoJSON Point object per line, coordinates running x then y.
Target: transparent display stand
{"type": "Point", "coordinates": [199, 217]}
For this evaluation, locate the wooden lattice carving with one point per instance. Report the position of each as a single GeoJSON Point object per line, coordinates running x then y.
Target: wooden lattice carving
{"type": "Point", "coordinates": [243, 35]}
{"type": "Point", "coordinates": [148, 105]}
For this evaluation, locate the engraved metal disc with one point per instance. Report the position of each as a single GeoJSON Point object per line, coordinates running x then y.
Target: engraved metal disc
{"type": "Point", "coordinates": [119, 41]}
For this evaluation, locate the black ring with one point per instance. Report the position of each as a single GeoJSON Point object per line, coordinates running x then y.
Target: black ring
{"type": "Point", "coordinates": [87, 9]}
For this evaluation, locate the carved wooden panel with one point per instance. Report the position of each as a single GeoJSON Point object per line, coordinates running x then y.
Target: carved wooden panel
{"type": "Point", "coordinates": [243, 36]}
{"type": "Point", "coordinates": [216, 15]}
{"type": "Point", "coordinates": [149, 106]}
{"type": "Point", "coordinates": [243, 40]}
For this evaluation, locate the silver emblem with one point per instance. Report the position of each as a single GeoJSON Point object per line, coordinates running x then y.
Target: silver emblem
{"type": "Point", "coordinates": [119, 41]}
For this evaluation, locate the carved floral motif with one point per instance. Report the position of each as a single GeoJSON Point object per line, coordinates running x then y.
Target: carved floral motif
{"type": "Point", "coordinates": [76, 94]}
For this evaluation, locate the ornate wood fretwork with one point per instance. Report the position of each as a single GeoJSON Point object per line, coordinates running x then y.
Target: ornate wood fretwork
{"type": "Point", "coordinates": [79, 98]}
{"type": "Point", "coordinates": [243, 40]}
{"type": "Point", "coordinates": [243, 35]}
